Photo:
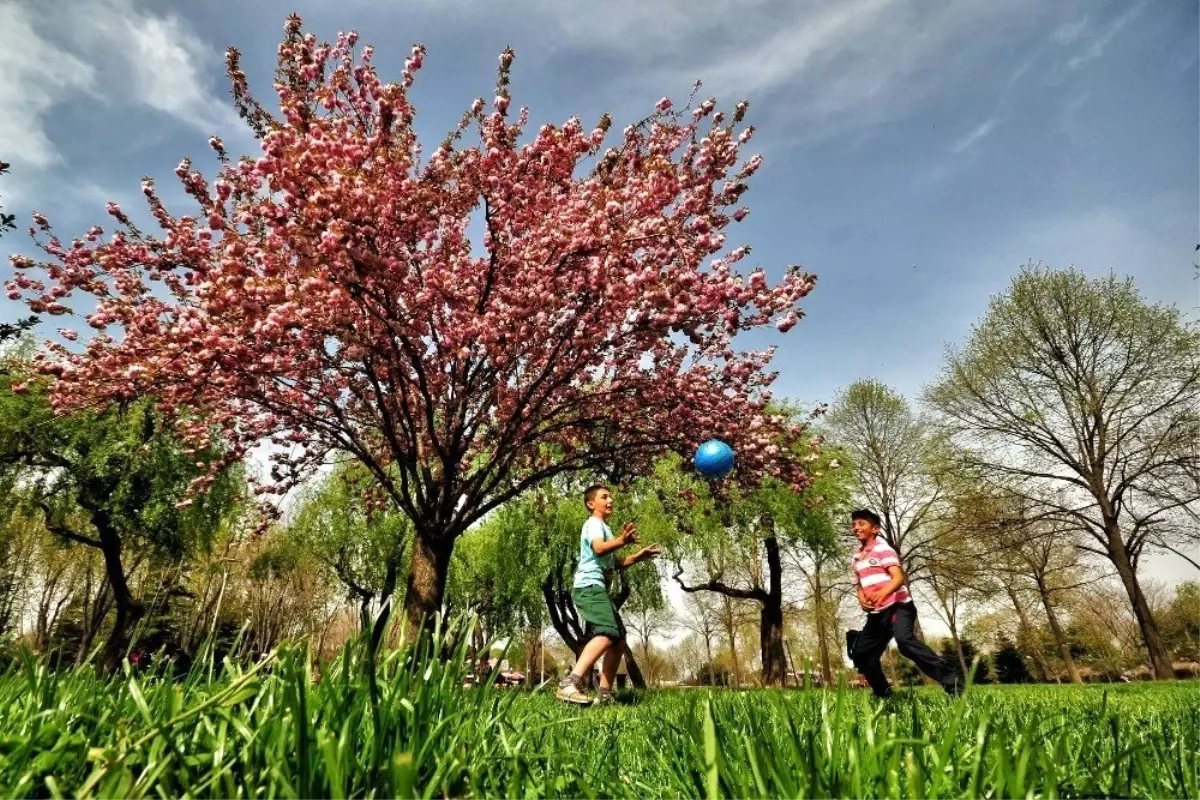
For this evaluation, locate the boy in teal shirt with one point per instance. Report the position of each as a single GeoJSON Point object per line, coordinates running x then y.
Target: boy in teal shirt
{"type": "Point", "coordinates": [597, 564]}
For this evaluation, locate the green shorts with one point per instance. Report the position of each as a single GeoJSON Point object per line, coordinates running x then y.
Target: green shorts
{"type": "Point", "coordinates": [598, 611]}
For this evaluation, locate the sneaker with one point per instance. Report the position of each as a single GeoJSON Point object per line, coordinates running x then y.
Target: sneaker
{"type": "Point", "coordinates": [569, 691]}
{"type": "Point", "coordinates": [604, 698]}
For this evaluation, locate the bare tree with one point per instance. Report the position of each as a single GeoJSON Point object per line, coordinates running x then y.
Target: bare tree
{"type": "Point", "coordinates": [892, 450]}
{"type": "Point", "coordinates": [648, 619]}
{"type": "Point", "coordinates": [1018, 545]}
{"type": "Point", "coordinates": [1081, 391]}
{"type": "Point", "coordinates": [823, 563]}
{"type": "Point", "coordinates": [702, 619]}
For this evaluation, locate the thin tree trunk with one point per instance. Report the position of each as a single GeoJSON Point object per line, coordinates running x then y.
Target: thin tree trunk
{"type": "Point", "coordinates": [731, 631]}
{"type": "Point", "coordinates": [95, 610]}
{"type": "Point", "coordinates": [958, 648]}
{"type": "Point", "coordinates": [1039, 661]}
{"type": "Point", "coordinates": [1160, 659]}
{"type": "Point", "coordinates": [1064, 650]}
{"type": "Point", "coordinates": [822, 635]}
{"type": "Point", "coordinates": [644, 647]}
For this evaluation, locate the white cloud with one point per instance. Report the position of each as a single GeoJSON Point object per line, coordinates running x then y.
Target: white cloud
{"type": "Point", "coordinates": [1096, 47]}
{"type": "Point", "coordinates": [827, 68]}
{"type": "Point", "coordinates": [107, 50]}
{"type": "Point", "coordinates": [1068, 32]}
{"type": "Point", "coordinates": [830, 67]}
{"type": "Point", "coordinates": [162, 59]}
{"type": "Point", "coordinates": [1139, 239]}
{"type": "Point", "coordinates": [974, 137]}
{"type": "Point", "coordinates": [37, 76]}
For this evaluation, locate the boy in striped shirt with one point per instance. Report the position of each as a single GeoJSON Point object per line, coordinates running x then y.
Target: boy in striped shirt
{"type": "Point", "coordinates": [890, 611]}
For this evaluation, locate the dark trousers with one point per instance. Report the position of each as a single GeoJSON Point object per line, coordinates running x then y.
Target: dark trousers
{"type": "Point", "coordinates": [869, 645]}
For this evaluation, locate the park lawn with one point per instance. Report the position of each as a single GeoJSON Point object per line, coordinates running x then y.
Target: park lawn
{"type": "Point", "coordinates": [239, 734]}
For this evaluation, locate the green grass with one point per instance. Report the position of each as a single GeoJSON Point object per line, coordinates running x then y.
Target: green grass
{"type": "Point", "coordinates": [270, 731]}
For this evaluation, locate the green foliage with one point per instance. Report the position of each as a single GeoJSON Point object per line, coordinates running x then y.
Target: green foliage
{"type": "Point", "coordinates": [1180, 622]}
{"type": "Point", "coordinates": [978, 666]}
{"type": "Point", "coordinates": [121, 467]}
{"type": "Point", "coordinates": [336, 523]}
{"type": "Point", "coordinates": [721, 526]}
{"type": "Point", "coordinates": [272, 731]}
{"type": "Point", "coordinates": [1009, 664]}
{"type": "Point", "coordinates": [499, 567]}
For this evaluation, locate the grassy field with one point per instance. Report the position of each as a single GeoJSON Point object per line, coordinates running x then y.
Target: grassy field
{"type": "Point", "coordinates": [269, 731]}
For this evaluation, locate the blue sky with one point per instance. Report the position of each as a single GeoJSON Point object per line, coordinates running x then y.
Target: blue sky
{"type": "Point", "coordinates": [917, 153]}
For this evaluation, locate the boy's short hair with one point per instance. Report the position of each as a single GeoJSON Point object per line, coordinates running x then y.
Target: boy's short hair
{"type": "Point", "coordinates": [589, 494]}
{"type": "Point", "coordinates": [867, 514]}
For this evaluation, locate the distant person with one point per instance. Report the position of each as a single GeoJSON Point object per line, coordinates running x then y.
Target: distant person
{"type": "Point", "coordinates": [890, 611]}
{"type": "Point", "coordinates": [598, 563]}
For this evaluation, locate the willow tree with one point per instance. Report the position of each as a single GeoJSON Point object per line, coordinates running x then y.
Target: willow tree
{"type": "Point", "coordinates": [115, 481]}
{"type": "Point", "coordinates": [735, 542]}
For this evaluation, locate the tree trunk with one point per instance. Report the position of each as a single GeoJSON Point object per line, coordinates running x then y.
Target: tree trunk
{"type": "Point", "coordinates": [1064, 650]}
{"type": "Point", "coordinates": [43, 625]}
{"type": "Point", "coordinates": [822, 636]}
{"type": "Point", "coordinates": [770, 629]}
{"type": "Point", "coordinates": [427, 577]}
{"type": "Point", "coordinates": [1160, 659]}
{"type": "Point", "coordinates": [774, 660]}
{"type": "Point", "coordinates": [731, 631]}
{"type": "Point", "coordinates": [635, 672]}
{"type": "Point", "coordinates": [563, 617]}
{"type": "Point", "coordinates": [94, 611]}
{"type": "Point", "coordinates": [129, 610]}
{"type": "Point", "coordinates": [1026, 628]}
{"type": "Point", "coordinates": [958, 648]}
{"type": "Point", "coordinates": [649, 674]}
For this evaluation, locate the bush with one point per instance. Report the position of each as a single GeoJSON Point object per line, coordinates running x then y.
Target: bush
{"type": "Point", "coordinates": [1009, 664]}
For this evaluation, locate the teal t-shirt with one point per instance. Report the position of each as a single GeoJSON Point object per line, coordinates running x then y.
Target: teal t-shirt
{"type": "Point", "coordinates": [593, 570]}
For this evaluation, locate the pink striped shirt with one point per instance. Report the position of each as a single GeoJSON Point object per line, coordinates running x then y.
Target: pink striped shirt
{"type": "Point", "coordinates": [871, 569]}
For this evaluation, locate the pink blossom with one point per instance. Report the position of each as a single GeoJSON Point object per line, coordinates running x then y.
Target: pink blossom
{"type": "Point", "coordinates": [346, 286]}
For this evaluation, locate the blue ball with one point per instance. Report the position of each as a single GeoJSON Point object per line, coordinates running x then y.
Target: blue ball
{"type": "Point", "coordinates": [714, 459]}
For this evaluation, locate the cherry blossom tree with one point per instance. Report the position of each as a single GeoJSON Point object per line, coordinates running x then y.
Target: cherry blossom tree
{"type": "Point", "coordinates": [328, 298]}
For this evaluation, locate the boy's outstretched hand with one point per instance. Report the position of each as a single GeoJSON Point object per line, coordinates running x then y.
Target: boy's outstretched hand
{"type": "Point", "coordinates": [629, 533]}
{"type": "Point", "coordinates": [649, 552]}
